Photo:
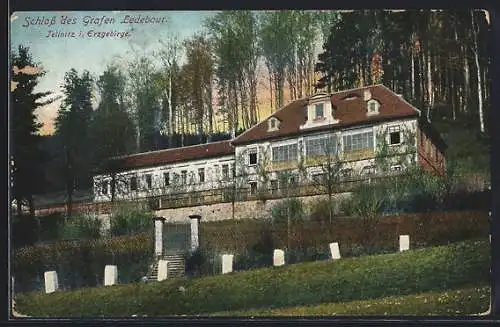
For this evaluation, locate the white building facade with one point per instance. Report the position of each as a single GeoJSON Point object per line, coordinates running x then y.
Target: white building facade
{"type": "Point", "coordinates": [295, 143]}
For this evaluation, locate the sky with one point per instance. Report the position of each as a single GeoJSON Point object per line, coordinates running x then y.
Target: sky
{"type": "Point", "coordinates": [47, 34]}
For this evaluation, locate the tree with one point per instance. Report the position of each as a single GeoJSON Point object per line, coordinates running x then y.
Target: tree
{"type": "Point", "coordinates": [112, 130]}
{"type": "Point", "coordinates": [25, 155]}
{"type": "Point", "coordinates": [233, 35]}
{"type": "Point", "coordinates": [198, 72]}
{"type": "Point", "coordinates": [145, 100]}
{"type": "Point", "coordinates": [72, 126]}
{"type": "Point", "coordinates": [169, 56]}
{"type": "Point", "coordinates": [277, 47]}
{"type": "Point", "coordinates": [324, 157]}
{"type": "Point", "coordinates": [436, 59]}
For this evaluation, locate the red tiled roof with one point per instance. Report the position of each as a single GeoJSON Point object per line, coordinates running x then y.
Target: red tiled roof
{"type": "Point", "coordinates": [292, 116]}
{"type": "Point", "coordinates": [155, 158]}
{"type": "Point", "coordinates": [348, 112]}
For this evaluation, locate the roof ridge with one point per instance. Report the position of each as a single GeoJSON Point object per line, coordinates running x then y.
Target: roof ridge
{"type": "Point", "coordinates": [269, 116]}
{"type": "Point", "coordinates": [170, 149]}
{"type": "Point", "coordinates": [403, 99]}
{"type": "Point", "coordinates": [359, 88]}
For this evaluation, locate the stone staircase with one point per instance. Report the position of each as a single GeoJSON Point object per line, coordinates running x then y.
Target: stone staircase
{"type": "Point", "coordinates": [176, 266]}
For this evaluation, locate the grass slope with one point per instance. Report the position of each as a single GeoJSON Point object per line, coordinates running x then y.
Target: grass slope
{"type": "Point", "coordinates": [459, 302]}
{"type": "Point", "coordinates": [432, 269]}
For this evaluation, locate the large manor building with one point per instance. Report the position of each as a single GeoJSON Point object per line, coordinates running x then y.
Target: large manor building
{"type": "Point", "coordinates": [357, 127]}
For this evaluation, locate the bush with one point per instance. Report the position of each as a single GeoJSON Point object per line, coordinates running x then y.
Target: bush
{"type": "Point", "coordinates": [81, 263]}
{"type": "Point", "coordinates": [24, 230]}
{"type": "Point", "coordinates": [433, 269]}
{"type": "Point", "coordinates": [203, 262]}
{"type": "Point", "coordinates": [130, 219]}
{"type": "Point", "coordinates": [293, 207]}
{"type": "Point", "coordinates": [366, 200]}
{"type": "Point", "coordinates": [241, 237]}
{"type": "Point", "coordinates": [259, 255]}
{"type": "Point", "coordinates": [81, 227]}
{"type": "Point", "coordinates": [320, 209]}
{"type": "Point", "coordinates": [50, 226]}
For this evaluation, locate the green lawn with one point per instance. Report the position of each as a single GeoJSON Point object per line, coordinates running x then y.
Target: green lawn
{"type": "Point", "coordinates": [434, 269]}
{"type": "Point", "coordinates": [466, 301]}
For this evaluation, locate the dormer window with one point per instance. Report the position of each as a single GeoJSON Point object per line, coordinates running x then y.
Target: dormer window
{"type": "Point", "coordinates": [273, 124]}
{"type": "Point", "coordinates": [372, 107]}
{"type": "Point", "coordinates": [319, 110]}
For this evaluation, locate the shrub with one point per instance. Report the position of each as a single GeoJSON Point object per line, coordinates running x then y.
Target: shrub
{"type": "Point", "coordinates": [259, 255]}
{"type": "Point", "coordinates": [81, 263]}
{"type": "Point", "coordinates": [320, 209]}
{"type": "Point", "coordinates": [425, 229]}
{"type": "Point", "coordinates": [24, 230]}
{"type": "Point", "coordinates": [130, 218]}
{"type": "Point", "coordinates": [81, 226]}
{"type": "Point", "coordinates": [50, 226]}
{"type": "Point", "coordinates": [366, 200]}
{"type": "Point", "coordinates": [203, 262]}
{"type": "Point", "coordinates": [292, 207]}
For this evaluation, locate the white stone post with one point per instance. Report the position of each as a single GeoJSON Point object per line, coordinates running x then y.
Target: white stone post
{"type": "Point", "coordinates": [195, 236]}
{"type": "Point", "coordinates": [158, 235]}
{"type": "Point", "coordinates": [51, 283]}
{"type": "Point", "coordinates": [278, 258]}
{"type": "Point", "coordinates": [335, 251]}
{"type": "Point", "coordinates": [162, 270]}
{"type": "Point", "coordinates": [227, 263]}
{"type": "Point", "coordinates": [110, 275]}
{"type": "Point", "coordinates": [404, 243]}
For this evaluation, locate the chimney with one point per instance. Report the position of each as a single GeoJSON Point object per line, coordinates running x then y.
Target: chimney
{"type": "Point", "coordinates": [367, 95]}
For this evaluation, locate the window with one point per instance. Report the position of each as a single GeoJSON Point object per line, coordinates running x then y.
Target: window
{"type": "Point", "coordinates": [319, 111]}
{"type": "Point", "coordinates": [133, 183]}
{"type": "Point", "coordinates": [225, 172]}
{"type": "Point", "coordinates": [396, 168]}
{"type": "Point", "coordinates": [285, 152]}
{"type": "Point", "coordinates": [368, 170]}
{"type": "Point", "coordinates": [293, 181]}
{"type": "Point", "coordinates": [372, 107]}
{"type": "Point", "coordinates": [148, 181]}
{"type": "Point", "coordinates": [183, 177]}
{"type": "Point", "coordinates": [274, 186]}
{"type": "Point", "coordinates": [253, 187]}
{"type": "Point", "coordinates": [201, 175]}
{"type": "Point", "coordinates": [394, 135]}
{"type": "Point", "coordinates": [166, 178]}
{"type": "Point", "coordinates": [360, 141]}
{"type": "Point", "coordinates": [233, 172]}
{"type": "Point", "coordinates": [216, 172]}
{"type": "Point", "coordinates": [318, 178]}
{"type": "Point", "coordinates": [346, 172]}
{"type": "Point", "coordinates": [273, 123]}
{"type": "Point", "coordinates": [321, 146]}
{"type": "Point", "coordinates": [104, 187]}
{"type": "Point", "coordinates": [252, 157]}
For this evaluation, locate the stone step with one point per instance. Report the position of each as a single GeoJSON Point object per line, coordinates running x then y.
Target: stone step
{"type": "Point", "coordinates": [176, 266]}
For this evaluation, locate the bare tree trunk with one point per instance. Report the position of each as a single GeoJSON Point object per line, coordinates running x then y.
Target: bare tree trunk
{"type": "Point", "coordinates": [467, 82]}
{"type": "Point", "coordinates": [276, 91]}
{"type": "Point", "coordinates": [170, 110]}
{"type": "Point", "coordinates": [281, 86]}
{"type": "Point", "coordinates": [429, 86]}
{"type": "Point", "coordinates": [412, 75]}
{"type": "Point", "coordinates": [253, 98]}
{"type": "Point", "coordinates": [478, 69]}
{"type": "Point", "coordinates": [271, 90]}
{"type": "Point", "coordinates": [453, 97]}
